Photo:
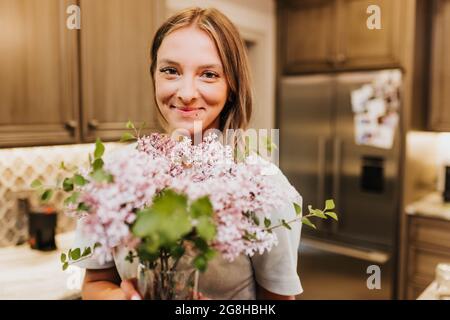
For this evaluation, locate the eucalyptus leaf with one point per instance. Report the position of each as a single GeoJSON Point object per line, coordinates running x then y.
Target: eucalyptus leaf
{"type": "Point", "coordinates": [332, 215]}
{"type": "Point", "coordinates": [68, 184]}
{"type": "Point", "coordinates": [308, 222]}
{"type": "Point", "coordinates": [329, 204]}
{"type": "Point", "coordinates": [298, 208]}
{"type": "Point", "coordinates": [79, 180]}
{"type": "Point", "coordinates": [129, 125]}
{"type": "Point", "coordinates": [36, 183]}
{"type": "Point", "coordinates": [99, 149]}
{"type": "Point", "coordinates": [47, 195]}
{"type": "Point", "coordinates": [75, 254]}
{"type": "Point", "coordinates": [127, 137]}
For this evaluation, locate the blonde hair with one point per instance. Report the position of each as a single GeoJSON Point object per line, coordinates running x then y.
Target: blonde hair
{"type": "Point", "coordinates": [231, 48]}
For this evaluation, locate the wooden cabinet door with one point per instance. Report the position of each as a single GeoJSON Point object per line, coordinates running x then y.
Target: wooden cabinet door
{"type": "Point", "coordinates": [440, 67]}
{"type": "Point", "coordinates": [38, 67]}
{"type": "Point", "coordinates": [306, 31]}
{"type": "Point", "coordinates": [362, 48]}
{"type": "Point", "coordinates": [115, 61]}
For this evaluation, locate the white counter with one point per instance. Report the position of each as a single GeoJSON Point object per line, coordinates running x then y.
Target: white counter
{"type": "Point", "coordinates": [31, 274]}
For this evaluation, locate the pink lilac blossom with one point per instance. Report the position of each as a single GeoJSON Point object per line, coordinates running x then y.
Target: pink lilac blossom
{"type": "Point", "coordinates": [206, 169]}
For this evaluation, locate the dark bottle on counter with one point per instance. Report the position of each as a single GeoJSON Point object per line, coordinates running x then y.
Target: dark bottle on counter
{"type": "Point", "coordinates": [446, 193]}
{"type": "Point", "coordinates": [41, 225]}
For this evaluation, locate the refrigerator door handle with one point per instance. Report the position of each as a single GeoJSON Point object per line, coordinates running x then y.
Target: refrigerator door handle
{"type": "Point", "coordinates": [337, 151]}
{"type": "Point", "coordinates": [374, 256]}
{"type": "Point", "coordinates": [322, 144]}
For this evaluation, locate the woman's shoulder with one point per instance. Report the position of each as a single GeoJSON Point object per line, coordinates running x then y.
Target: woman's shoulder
{"type": "Point", "coordinates": [273, 172]}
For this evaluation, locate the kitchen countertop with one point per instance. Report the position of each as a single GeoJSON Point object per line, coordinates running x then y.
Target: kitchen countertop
{"type": "Point", "coordinates": [27, 274]}
{"type": "Point", "coordinates": [431, 206]}
{"type": "Point", "coordinates": [430, 293]}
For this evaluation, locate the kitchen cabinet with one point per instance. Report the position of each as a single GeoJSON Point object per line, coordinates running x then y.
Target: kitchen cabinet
{"type": "Point", "coordinates": [62, 85]}
{"type": "Point", "coordinates": [439, 119]}
{"type": "Point", "coordinates": [39, 75]}
{"type": "Point", "coordinates": [332, 35]}
{"type": "Point", "coordinates": [115, 60]}
{"type": "Point", "coordinates": [429, 244]}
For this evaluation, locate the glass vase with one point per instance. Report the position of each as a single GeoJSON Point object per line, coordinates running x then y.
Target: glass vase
{"type": "Point", "coordinates": [156, 283]}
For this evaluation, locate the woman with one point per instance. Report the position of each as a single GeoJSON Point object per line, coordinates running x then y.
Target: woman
{"type": "Point", "coordinates": [200, 75]}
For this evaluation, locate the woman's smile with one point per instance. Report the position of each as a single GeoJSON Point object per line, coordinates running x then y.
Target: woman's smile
{"type": "Point", "coordinates": [187, 111]}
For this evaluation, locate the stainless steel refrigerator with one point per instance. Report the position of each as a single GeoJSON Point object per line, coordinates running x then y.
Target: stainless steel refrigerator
{"type": "Point", "coordinates": [319, 156]}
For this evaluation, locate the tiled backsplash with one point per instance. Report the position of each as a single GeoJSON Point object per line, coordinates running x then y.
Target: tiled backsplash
{"type": "Point", "coordinates": [18, 168]}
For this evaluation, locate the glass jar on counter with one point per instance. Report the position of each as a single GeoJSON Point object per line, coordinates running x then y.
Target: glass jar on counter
{"type": "Point", "coordinates": [443, 281]}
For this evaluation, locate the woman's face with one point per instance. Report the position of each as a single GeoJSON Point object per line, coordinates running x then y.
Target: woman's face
{"type": "Point", "coordinates": [190, 84]}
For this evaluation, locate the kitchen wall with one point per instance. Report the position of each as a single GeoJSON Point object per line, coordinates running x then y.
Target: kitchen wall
{"type": "Point", "coordinates": [18, 168]}
{"type": "Point", "coordinates": [427, 152]}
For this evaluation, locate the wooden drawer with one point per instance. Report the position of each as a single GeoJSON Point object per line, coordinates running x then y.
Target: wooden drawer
{"type": "Point", "coordinates": [415, 290]}
{"type": "Point", "coordinates": [422, 263]}
{"type": "Point", "coordinates": [429, 231]}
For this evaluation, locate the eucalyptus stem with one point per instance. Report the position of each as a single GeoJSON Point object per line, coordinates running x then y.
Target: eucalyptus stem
{"type": "Point", "coordinates": [290, 221]}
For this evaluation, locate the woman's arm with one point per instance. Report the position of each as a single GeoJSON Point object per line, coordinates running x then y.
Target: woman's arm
{"type": "Point", "coordinates": [264, 294]}
{"type": "Point", "coordinates": [105, 284]}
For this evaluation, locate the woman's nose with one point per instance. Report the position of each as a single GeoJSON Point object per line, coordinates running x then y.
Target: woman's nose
{"type": "Point", "coordinates": [187, 92]}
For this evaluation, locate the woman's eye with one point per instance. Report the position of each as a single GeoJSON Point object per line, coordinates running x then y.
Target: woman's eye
{"type": "Point", "coordinates": [210, 75]}
{"type": "Point", "coordinates": [169, 71]}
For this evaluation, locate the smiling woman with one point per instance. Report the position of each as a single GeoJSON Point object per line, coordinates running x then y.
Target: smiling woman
{"type": "Point", "coordinates": [200, 73]}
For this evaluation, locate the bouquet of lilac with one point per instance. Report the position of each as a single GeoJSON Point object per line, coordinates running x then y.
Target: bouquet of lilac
{"type": "Point", "coordinates": [165, 197]}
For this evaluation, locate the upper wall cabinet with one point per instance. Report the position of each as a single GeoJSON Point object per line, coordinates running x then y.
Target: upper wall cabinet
{"type": "Point", "coordinates": [333, 35]}
{"type": "Point", "coordinates": [68, 86]}
{"type": "Point", "coordinates": [115, 59]}
{"type": "Point", "coordinates": [440, 67]}
{"type": "Point", "coordinates": [39, 74]}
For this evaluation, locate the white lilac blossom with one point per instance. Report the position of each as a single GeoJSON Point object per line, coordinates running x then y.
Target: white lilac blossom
{"type": "Point", "coordinates": [241, 193]}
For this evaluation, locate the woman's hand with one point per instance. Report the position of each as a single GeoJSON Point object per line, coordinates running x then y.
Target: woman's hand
{"type": "Point", "coordinates": [105, 284]}
{"type": "Point", "coordinates": [129, 289]}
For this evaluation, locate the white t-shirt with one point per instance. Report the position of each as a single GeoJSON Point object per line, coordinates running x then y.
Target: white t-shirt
{"type": "Point", "coordinates": [275, 270]}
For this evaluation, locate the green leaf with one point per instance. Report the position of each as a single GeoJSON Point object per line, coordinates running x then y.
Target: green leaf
{"type": "Point", "coordinates": [97, 164]}
{"type": "Point", "coordinates": [177, 251]}
{"type": "Point", "coordinates": [267, 222]}
{"type": "Point", "coordinates": [65, 266]}
{"type": "Point", "coordinates": [206, 228]}
{"type": "Point", "coordinates": [255, 219]}
{"type": "Point", "coordinates": [210, 253]}
{"type": "Point", "coordinates": [72, 198]}
{"type": "Point", "coordinates": [36, 183]}
{"type": "Point", "coordinates": [87, 251]}
{"type": "Point", "coordinates": [308, 222]}
{"type": "Point", "coordinates": [329, 204]}
{"type": "Point", "coordinates": [63, 257]}
{"type": "Point", "coordinates": [201, 207]}
{"type": "Point", "coordinates": [298, 208]}
{"type": "Point", "coordinates": [99, 149]}
{"type": "Point", "coordinates": [75, 254]}
{"type": "Point", "coordinates": [46, 196]}
{"type": "Point", "coordinates": [129, 125]}
{"type": "Point", "coordinates": [82, 207]}
{"type": "Point", "coordinates": [79, 180]}
{"type": "Point", "coordinates": [200, 263]}
{"type": "Point", "coordinates": [332, 215]}
{"type": "Point", "coordinates": [319, 213]}
{"type": "Point", "coordinates": [285, 224]}
{"type": "Point", "coordinates": [96, 245]}
{"type": "Point", "coordinates": [101, 175]}
{"type": "Point", "coordinates": [127, 137]}
{"type": "Point", "coordinates": [68, 184]}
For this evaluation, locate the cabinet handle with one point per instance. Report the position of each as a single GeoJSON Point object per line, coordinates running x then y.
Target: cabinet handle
{"type": "Point", "coordinates": [341, 58]}
{"type": "Point", "coordinates": [71, 125]}
{"type": "Point", "coordinates": [93, 124]}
